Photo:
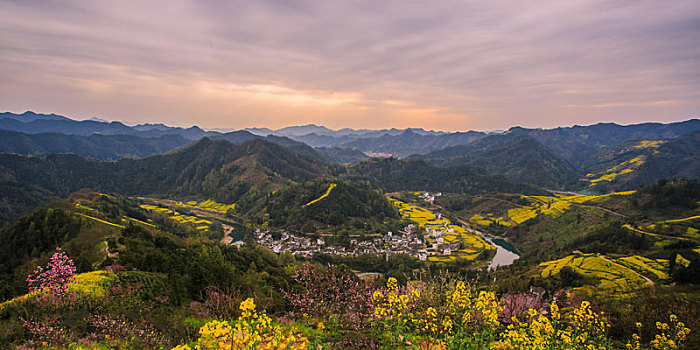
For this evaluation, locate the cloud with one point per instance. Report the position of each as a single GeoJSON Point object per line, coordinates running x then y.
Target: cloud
{"type": "Point", "coordinates": [454, 65]}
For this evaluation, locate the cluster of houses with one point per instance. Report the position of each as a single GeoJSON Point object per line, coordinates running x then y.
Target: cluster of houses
{"type": "Point", "coordinates": [429, 197]}
{"type": "Point", "coordinates": [405, 242]}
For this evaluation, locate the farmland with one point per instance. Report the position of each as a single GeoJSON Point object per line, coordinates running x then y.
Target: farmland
{"type": "Point", "coordinates": [198, 223]}
{"type": "Point", "coordinates": [684, 228]}
{"type": "Point", "coordinates": [649, 144]}
{"type": "Point", "coordinates": [625, 167]}
{"type": "Point", "coordinates": [553, 206]}
{"type": "Point", "coordinates": [94, 212]}
{"type": "Point", "coordinates": [617, 276]}
{"type": "Point", "coordinates": [328, 191]}
{"type": "Point", "coordinates": [472, 245]}
{"type": "Point", "coordinates": [210, 205]}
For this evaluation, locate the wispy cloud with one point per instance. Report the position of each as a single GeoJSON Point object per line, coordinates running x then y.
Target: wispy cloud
{"type": "Point", "coordinates": [453, 65]}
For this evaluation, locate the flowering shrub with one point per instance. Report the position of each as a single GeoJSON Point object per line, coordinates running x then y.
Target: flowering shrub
{"type": "Point", "coordinates": [586, 330]}
{"type": "Point", "coordinates": [252, 330]}
{"type": "Point", "coordinates": [116, 329]}
{"type": "Point", "coordinates": [47, 332]}
{"type": "Point", "coordinates": [517, 305]}
{"type": "Point", "coordinates": [394, 310]}
{"type": "Point", "coordinates": [668, 336]}
{"type": "Point", "coordinates": [331, 291]}
{"type": "Point", "coordinates": [54, 279]}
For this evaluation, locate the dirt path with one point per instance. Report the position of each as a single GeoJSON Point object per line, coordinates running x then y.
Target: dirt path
{"type": "Point", "coordinates": [629, 227]}
{"type": "Point", "coordinates": [601, 208]}
{"type": "Point", "coordinates": [227, 234]}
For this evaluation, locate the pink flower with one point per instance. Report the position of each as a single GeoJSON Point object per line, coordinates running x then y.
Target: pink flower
{"type": "Point", "coordinates": [55, 278]}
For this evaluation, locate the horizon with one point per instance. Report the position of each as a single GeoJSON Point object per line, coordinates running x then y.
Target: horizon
{"type": "Point", "coordinates": [446, 65]}
{"type": "Point", "coordinates": [221, 129]}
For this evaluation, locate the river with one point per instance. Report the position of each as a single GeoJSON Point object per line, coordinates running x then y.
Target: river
{"type": "Point", "coordinates": [505, 253]}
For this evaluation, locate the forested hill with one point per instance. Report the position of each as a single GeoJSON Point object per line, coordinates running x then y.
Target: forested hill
{"type": "Point", "coordinates": [97, 146]}
{"type": "Point", "coordinates": [393, 174]}
{"type": "Point", "coordinates": [517, 156]}
{"type": "Point", "coordinates": [326, 202]}
{"type": "Point", "coordinates": [577, 143]}
{"type": "Point", "coordinates": [112, 147]}
{"type": "Point", "coordinates": [676, 158]}
{"type": "Point", "coordinates": [410, 142]}
{"type": "Point", "coordinates": [220, 170]}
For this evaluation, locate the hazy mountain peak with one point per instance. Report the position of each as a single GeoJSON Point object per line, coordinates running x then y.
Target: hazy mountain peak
{"type": "Point", "coordinates": [30, 116]}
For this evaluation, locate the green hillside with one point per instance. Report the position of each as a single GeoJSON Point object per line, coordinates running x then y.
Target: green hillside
{"type": "Point", "coordinates": [519, 157]}
{"type": "Point", "coordinates": [211, 169]}
{"type": "Point", "coordinates": [320, 203]}
{"type": "Point", "coordinates": [391, 174]}
{"type": "Point", "coordinates": [103, 147]}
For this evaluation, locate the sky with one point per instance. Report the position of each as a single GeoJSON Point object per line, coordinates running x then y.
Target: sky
{"type": "Point", "coordinates": [440, 65]}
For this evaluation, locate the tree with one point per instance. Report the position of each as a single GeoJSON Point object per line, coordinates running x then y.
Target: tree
{"type": "Point", "coordinates": [55, 278]}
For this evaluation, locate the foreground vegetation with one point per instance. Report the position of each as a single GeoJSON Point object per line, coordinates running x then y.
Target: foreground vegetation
{"type": "Point", "coordinates": [146, 279]}
{"type": "Point", "coordinates": [326, 308]}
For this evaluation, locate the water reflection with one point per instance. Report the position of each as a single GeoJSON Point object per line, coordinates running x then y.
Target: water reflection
{"type": "Point", "coordinates": [505, 253]}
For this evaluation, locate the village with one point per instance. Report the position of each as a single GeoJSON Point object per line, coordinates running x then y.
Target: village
{"type": "Point", "coordinates": [407, 241]}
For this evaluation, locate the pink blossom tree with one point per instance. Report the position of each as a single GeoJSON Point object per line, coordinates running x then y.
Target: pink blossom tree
{"type": "Point", "coordinates": [55, 278]}
{"type": "Point", "coordinates": [326, 291]}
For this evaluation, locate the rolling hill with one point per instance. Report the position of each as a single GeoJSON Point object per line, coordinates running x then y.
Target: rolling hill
{"type": "Point", "coordinates": [220, 170]}
{"type": "Point", "coordinates": [391, 174]}
{"type": "Point", "coordinates": [519, 157]}
{"type": "Point", "coordinates": [97, 146]}
{"type": "Point", "coordinates": [577, 143]}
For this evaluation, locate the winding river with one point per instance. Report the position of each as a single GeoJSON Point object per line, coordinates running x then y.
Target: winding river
{"type": "Point", "coordinates": [505, 253]}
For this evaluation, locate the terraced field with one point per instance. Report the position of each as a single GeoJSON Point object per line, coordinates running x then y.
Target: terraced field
{"type": "Point", "coordinates": [649, 144]}
{"type": "Point", "coordinates": [617, 276]}
{"type": "Point", "coordinates": [328, 191]}
{"type": "Point", "coordinates": [472, 245]}
{"type": "Point", "coordinates": [646, 266]}
{"type": "Point", "coordinates": [200, 224]}
{"type": "Point", "coordinates": [696, 217]}
{"type": "Point", "coordinates": [209, 205]}
{"type": "Point", "coordinates": [489, 219]}
{"type": "Point", "coordinates": [100, 220]}
{"type": "Point", "coordinates": [674, 229]}
{"type": "Point", "coordinates": [553, 206]}
{"type": "Point", "coordinates": [625, 167]}
{"type": "Point", "coordinates": [92, 211]}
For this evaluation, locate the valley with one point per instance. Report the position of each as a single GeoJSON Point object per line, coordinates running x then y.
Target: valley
{"type": "Point", "coordinates": [181, 235]}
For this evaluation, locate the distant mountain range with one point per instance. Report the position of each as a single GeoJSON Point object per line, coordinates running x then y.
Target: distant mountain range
{"type": "Point", "coordinates": [243, 173]}
{"type": "Point", "coordinates": [597, 158]}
